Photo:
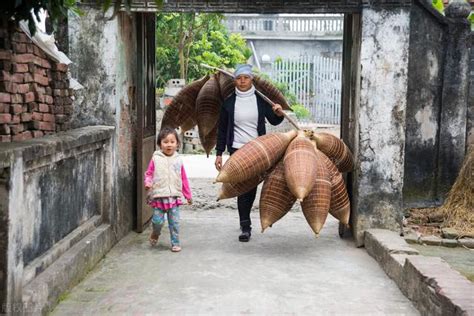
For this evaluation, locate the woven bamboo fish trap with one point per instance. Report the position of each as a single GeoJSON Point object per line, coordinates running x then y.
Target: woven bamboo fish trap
{"type": "Point", "coordinates": [230, 190]}
{"type": "Point", "coordinates": [316, 205]}
{"type": "Point", "coordinates": [209, 141]}
{"type": "Point", "coordinates": [334, 149]}
{"type": "Point", "coordinates": [226, 85]}
{"type": "Point", "coordinates": [340, 206]}
{"type": "Point", "coordinates": [182, 110]}
{"type": "Point", "coordinates": [300, 166]}
{"type": "Point", "coordinates": [208, 105]}
{"type": "Point", "coordinates": [275, 199]}
{"type": "Point", "coordinates": [271, 92]}
{"type": "Point", "coordinates": [255, 157]}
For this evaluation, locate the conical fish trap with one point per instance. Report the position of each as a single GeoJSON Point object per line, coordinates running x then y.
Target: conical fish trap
{"type": "Point", "coordinates": [183, 107]}
{"type": "Point", "coordinates": [300, 166]}
{"type": "Point", "coordinates": [340, 206]}
{"type": "Point", "coordinates": [255, 157]}
{"type": "Point", "coordinates": [316, 205]}
{"type": "Point", "coordinates": [334, 149]}
{"type": "Point", "coordinates": [275, 199]}
{"type": "Point", "coordinates": [209, 141]}
{"type": "Point", "coordinates": [270, 91]}
{"type": "Point", "coordinates": [188, 124]}
{"type": "Point", "coordinates": [230, 190]}
{"type": "Point", "coordinates": [208, 106]}
{"type": "Point", "coordinates": [226, 85]}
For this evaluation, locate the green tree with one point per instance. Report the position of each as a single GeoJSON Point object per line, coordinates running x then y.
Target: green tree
{"type": "Point", "coordinates": [185, 40]}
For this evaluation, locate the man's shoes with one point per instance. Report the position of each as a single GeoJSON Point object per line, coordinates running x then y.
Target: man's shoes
{"type": "Point", "coordinates": [245, 236]}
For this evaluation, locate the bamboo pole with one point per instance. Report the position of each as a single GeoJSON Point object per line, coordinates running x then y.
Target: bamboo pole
{"type": "Point", "coordinates": [258, 92]}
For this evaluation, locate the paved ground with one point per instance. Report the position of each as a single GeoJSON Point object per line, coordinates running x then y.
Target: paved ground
{"type": "Point", "coordinates": [286, 270]}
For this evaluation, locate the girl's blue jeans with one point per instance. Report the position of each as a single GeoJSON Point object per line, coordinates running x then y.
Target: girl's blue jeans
{"type": "Point", "coordinates": [158, 221]}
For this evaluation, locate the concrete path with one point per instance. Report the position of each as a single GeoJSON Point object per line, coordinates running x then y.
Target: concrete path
{"type": "Point", "coordinates": [283, 271]}
{"type": "Point", "coordinates": [286, 270]}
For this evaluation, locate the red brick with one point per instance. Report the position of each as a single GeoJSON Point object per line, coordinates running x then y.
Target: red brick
{"type": "Point", "coordinates": [29, 97]}
{"type": "Point", "coordinates": [41, 79]}
{"type": "Point", "coordinates": [16, 98]}
{"type": "Point", "coordinates": [28, 78]}
{"type": "Point", "coordinates": [60, 67]}
{"type": "Point", "coordinates": [3, 106]}
{"type": "Point", "coordinates": [5, 97]}
{"type": "Point", "coordinates": [38, 88]}
{"type": "Point", "coordinates": [17, 138]}
{"type": "Point", "coordinates": [48, 91]}
{"type": "Point", "coordinates": [23, 88]}
{"type": "Point", "coordinates": [27, 135]}
{"type": "Point", "coordinates": [43, 108]}
{"type": "Point", "coordinates": [48, 117]}
{"type": "Point", "coordinates": [5, 75]}
{"type": "Point", "coordinates": [39, 52]}
{"type": "Point", "coordinates": [37, 116]}
{"type": "Point", "coordinates": [44, 126]}
{"type": "Point", "coordinates": [17, 129]}
{"type": "Point", "coordinates": [40, 71]}
{"type": "Point", "coordinates": [19, 47]}
{"type": "Point", "coordinates": [5, 65]}
{"type": "Point", "coordinates": [39, 97]}
{"type": "Point", "coordinates": [32, 67]}
{"type": "Point", "coordinates": [5, 129]}
{"type": "Point", "coordinates": [48, 99]}
{"type": "Point", "coordinates": [23, 58]}
{"type": "Point", "coordinates": [18, 78]}
{"type": "Point", "coordinates": [8, 86]}
{"type": "Point", "coordinates": [30, 48]}
{"type": "Point", "coordinates": [16, 108]}
{"type": "Point", "coordinates": [5, 138]}
{"type": "Point", "coordinates": [16, 119]}
{"type": "Point", "coordinates": [20, 37]}
{"type": "Point", "coordinates": [45, 64]}
{"type": "Point", "coordinates": [5, 118]}
{"type": "Point", "coordinates": [20, 68]}
{"type": "Point", "coordinates": [26, 117]}
{"type": "Point", "coordinates": [32, 106]}
{"type": "Point", "coordinates": [5, 54]}
{"type": "Point", "coordinates": [37, 134]}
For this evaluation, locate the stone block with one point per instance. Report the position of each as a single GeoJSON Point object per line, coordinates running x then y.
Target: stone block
{"type": "Point", "coordinates": [23, 58]}
{"type": "Point", "coordinates": [29, 97]}
{"type": "Point", "coordinates": [17, 77]}
{"type": "Point", "coordinates": [44, 108]}
{"type": "Point", "coordinates": [26, 117]}
{"type": "Point", "coordinates": [16, 98]}
{"type": "Point", "coordinates": [431, 240]}
{"type": "Point", "coordinates": [467, 242]}
{"type": "Point", "coordinates": [449, 233]}
{"type": "Point", "coordinates": [48, 117]}
{"type": "Point", "coordinates": [451, 243]}
{"type": "Point", "coordinates": [43, 80]}
{"type": "Point", "coordinates": [22, 88]}
{"type": "Point", "coordinates": [435, 288]}
{"type": "Point", "coordinates": [37, 116]}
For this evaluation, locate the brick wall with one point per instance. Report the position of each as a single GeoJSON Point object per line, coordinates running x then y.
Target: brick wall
{"type": "Point", "coordinates": [35, 99]}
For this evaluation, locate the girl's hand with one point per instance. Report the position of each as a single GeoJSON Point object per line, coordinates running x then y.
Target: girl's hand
{"type": "Point", "coordinates": [278, 110]}
{"type": "Point", "coordinates": [218, 163]}
{"type": "Point", "coordinates": [190, 201]}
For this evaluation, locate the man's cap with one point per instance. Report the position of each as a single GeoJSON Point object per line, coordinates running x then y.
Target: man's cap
{"type": "Point", "coordinates": [243, 69]}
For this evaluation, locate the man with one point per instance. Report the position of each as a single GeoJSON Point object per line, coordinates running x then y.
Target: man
{"type": "Point", "coordinates": [242, 119]}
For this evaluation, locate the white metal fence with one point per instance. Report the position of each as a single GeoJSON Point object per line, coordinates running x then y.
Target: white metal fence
{"type": "Point", "coordinates": [316, 82]}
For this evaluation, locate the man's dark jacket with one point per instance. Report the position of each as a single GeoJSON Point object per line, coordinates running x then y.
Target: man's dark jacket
{"type": "Point", "coordinates": [225, 134]}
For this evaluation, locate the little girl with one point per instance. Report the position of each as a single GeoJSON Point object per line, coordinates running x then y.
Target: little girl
{"type": "Point", "coordinates": [165, 181]}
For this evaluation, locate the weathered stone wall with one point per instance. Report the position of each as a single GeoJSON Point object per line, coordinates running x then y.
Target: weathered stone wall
{"type": "Point", "coordinates": [380, 121]}
{"type": "Point", "coordinates": [425, 87]}
{"type": "Point", "coordinates": [49, 188]}
{"type": "Point", "coordinates": [105, 57]}
{"type": "Point", "coordinates": [35, 98]}
{"type": "Point", "coordinates": [470, 106]}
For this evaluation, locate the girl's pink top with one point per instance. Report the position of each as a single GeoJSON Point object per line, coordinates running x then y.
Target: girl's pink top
{"type": "Point", "coordinates": [166, 203]}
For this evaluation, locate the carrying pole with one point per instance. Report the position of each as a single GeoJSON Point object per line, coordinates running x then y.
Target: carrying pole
{"type": "Point", "coordinates": [258, 92]}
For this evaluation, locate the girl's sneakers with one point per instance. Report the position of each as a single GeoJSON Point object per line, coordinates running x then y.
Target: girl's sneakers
{"type": "Point", "coordinates": [176, 249]}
